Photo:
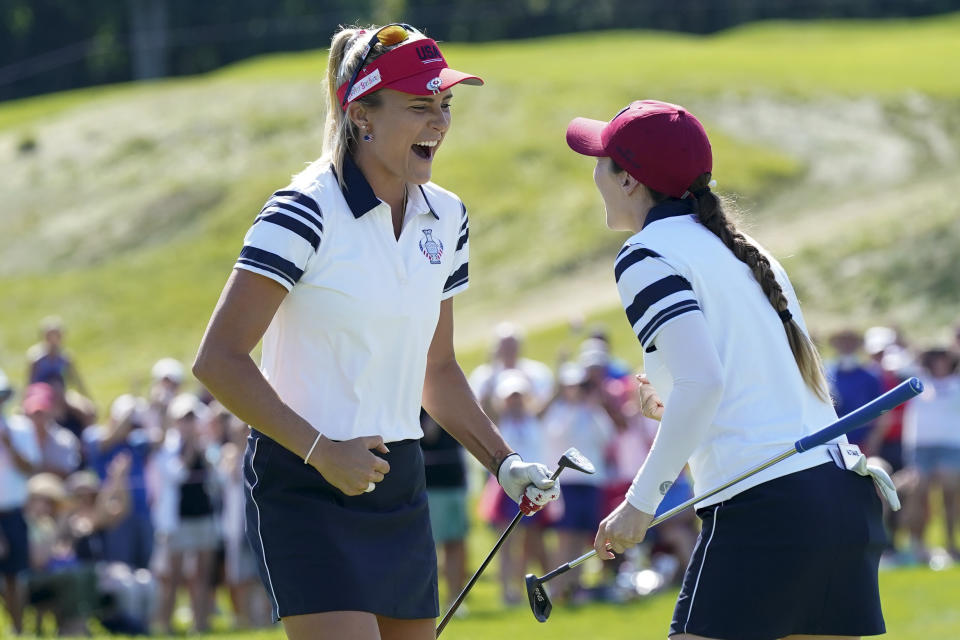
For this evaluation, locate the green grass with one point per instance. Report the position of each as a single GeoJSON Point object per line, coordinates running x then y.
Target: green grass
{"type": "Point", "coordinates": [127, 214]}
{"type": "Point", "coordinates": [918, 604]}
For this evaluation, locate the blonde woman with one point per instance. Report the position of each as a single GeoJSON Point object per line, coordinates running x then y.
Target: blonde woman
{"type": "Point", "coordinates": [348, 275]}
{"type": "Point", "coordinates": [792, 551]}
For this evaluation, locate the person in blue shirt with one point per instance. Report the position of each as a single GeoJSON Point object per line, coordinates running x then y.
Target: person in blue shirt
{"type": "Point", "coordinates": [852, 383]}
{"type": "Point", "coordinates": [131, 540]}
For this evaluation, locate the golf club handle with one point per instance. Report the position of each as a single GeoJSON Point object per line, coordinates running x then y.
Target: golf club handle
{"type": "Point", "coordinates": [867, 413]}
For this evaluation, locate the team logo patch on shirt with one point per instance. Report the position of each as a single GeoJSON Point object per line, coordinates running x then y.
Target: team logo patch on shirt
{"type": "Point", "coordinates": [431, 248]}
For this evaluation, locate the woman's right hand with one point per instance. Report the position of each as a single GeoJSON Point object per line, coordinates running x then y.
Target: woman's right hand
{"type": "Point", "coordinates": [650, 402]}
{"type": "Point", "coordinates": [350, 465]}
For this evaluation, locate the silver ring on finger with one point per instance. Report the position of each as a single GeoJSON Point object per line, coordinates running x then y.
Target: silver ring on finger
{"type": "Point", "coordinates": [370, 487]}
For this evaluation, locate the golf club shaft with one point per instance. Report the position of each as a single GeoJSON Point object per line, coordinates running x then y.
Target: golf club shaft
{"type": "Point", "coordinates": [672, 512]}
{"type": "Point", "coordinates": [486, 561]}
{"type": "Point", "coordinates": [868, 412]}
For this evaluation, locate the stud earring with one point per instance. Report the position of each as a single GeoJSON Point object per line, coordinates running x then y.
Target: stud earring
{"type": "Point", "coordinates": [367, 137]}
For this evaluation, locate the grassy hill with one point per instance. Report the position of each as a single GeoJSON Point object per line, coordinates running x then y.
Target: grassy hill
{"type": "Point", "coordinates": [125, 206]}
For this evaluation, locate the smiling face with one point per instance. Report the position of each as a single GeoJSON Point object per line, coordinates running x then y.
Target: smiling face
{"type": "Point", "coordinates": [407, 132]}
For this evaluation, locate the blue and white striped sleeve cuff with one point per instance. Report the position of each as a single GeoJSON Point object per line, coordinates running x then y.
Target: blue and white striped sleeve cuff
{"type": "Point", "coordinates": [459, 280]}
{"type": "Point", "coordinates": [653, 293]}
{"type": "Point", "coordinates": [283, 238]}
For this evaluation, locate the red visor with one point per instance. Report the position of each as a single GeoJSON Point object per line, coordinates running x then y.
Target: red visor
{"type": "Point", "coordinates": [416, 67]}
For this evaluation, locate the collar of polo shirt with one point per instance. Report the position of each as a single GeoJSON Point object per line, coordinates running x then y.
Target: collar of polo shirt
{"type": "Point", "coordinates": [670, 208]}
{"type": "Point", "coordinates": [359, 194]}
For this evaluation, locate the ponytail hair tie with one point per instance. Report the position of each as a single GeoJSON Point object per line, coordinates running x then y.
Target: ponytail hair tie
{"type": "Point", "coordinates": [785, 315]}
{"type": "Point", "coordinates": [697, 193]}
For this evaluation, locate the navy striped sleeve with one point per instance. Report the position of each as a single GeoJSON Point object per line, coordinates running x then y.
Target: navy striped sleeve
{"type": "Point", "coordinates": [285, 235]}
{"type": "Point", "coordinates": [652, 292]}
{"type": "Point", "coordinates": [458, 280]}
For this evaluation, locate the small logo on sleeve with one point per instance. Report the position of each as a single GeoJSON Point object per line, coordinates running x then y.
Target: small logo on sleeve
{"type": "Point", "coordinates": [431, 248]}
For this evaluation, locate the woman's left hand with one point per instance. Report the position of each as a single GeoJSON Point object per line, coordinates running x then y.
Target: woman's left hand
{"type": "Point", "coordinates": [624, 527]}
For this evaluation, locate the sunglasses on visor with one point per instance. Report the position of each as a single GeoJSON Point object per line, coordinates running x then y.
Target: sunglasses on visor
{"type": "Point", "coordinates": [388, 36]}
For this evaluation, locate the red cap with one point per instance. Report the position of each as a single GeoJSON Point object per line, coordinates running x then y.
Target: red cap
{"type": "Point", "coordinates": [38, 396]}
{"type": "Point", "coordinates": [417, 67]}
{"type": "Point", "coordinates": [660, 144]}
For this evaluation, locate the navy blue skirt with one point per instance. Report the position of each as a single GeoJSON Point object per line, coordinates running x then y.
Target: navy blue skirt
{"type": "Point", "coordinates": [319, 550]}
{"type": "Point", "coordinates": [795, 555]}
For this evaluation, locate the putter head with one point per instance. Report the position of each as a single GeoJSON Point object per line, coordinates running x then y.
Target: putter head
{"type": "Point", "coordinates": [539, 600]}
{"type": "Point", "coordinates": [573, 459]}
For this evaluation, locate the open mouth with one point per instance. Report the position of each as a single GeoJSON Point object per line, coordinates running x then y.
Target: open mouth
{"type": "Point", "coordinates": [425, 149]}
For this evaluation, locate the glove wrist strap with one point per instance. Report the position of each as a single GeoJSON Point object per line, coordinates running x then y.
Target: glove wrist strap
{"type": "Point", "coordinates": [500, 468]}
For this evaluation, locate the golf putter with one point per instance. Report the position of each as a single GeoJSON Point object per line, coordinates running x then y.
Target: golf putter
{"type": "Point", "coordinates": [571, 459]}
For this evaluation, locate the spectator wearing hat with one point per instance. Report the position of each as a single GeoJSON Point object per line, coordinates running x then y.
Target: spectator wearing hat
{"type": "Point", "coordinates": [48, 358]}
{"type": "Point", "coordinates": [599, 370]}
{"type": "Point", "coordinates": [19, 459]}
{"type": "Point", "coordinates": [887, 359]}
{"type": "Point", "coordinates": [71, 410]}
{"type": "Point", "coordinates": [599, 336]}
{"type": "Point", "coordinates": [59, 448]}
{"type": "Point", "coordinates": [577, 418]}
{"type": "Point", "coordinates": [513, 401]}
{"type": "Point", "coordinates": [130, 540]}
{"type": "Point", "coordinates": [931, 443]}
{"type": "Point", "coordinates": [184, 516]}
{"type": "Point", "coordinates": [166, 379]}
{"type": "Point", "coordinates": [58, 581]}
{"type": "Point", "coordinates": [506, 356]}
{"type": "Point", "coordinates": [852, 383]}
{"type": "Point", "coordinates": [124, 594]}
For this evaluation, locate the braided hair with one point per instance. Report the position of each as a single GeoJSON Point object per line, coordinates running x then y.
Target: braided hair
{"type": "Point", "coordinates": [712, 216]}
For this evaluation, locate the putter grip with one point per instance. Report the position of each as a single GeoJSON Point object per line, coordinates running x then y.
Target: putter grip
{"type": "Point", "coordinates": [868, 412]}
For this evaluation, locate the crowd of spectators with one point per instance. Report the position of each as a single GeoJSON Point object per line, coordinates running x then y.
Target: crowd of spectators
{"type": "Point", "coordinates": [104, 519]}
{"type": "Point", "coordinates": [109, 522]}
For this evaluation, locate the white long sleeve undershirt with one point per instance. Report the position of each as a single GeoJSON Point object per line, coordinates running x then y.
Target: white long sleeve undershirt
{"type": "Point", "coordinates": [689, 354]}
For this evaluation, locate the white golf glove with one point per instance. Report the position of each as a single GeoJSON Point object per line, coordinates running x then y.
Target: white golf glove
{"type": "Point", "coordinates": [854, 460]}
{"type": "Point", "coordinates": [528, 483]}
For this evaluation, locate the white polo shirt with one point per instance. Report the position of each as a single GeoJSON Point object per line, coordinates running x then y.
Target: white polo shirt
{"type": "Point", "coordinates": [347, 348]}
{"type": "Point", "coordinates": [675, 266]}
